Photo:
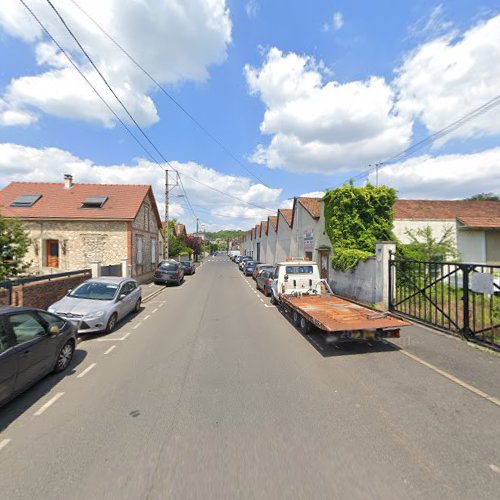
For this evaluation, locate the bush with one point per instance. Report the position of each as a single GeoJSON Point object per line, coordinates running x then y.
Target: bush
{"type": "Point", "coordinates": [348, 258]}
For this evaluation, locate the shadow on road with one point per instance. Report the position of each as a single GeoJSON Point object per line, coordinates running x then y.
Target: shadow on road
{"type": "Point", "coordinates": [327, 346]}
{"type": "Point", "coordinates": [22, 403]}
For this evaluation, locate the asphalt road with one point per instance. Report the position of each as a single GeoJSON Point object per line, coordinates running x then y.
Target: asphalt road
{"type": "Point", "coordinates": [210, 392]}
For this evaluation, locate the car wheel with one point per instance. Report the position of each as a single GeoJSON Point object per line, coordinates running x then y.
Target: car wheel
{"type": "Point", "coordinates": [296, 318]}
{"type": "Point", "coordinates": [111, 323]}
{"type": "Point", "coordinates": [305, 326]}
{"type": "Point", "coordinates": [65, 356]}
{"type": "Point", "coordinates": [157, 283]}
{"type": "Point", "coordinates": [265, 292]}
{"type": "Point", "coordinates": [273, 300]}
{"type": "Point", "coordinates": [137, 307]}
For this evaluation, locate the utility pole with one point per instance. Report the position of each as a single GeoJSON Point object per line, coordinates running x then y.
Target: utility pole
{"type": "Point", "coordinates": [167, 231]}
{"type": "Point", "coordinates": [197, 226]}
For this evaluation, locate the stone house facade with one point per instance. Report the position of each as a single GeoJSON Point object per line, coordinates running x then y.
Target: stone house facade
{"type": "Point", "coordinates": [76, 226]}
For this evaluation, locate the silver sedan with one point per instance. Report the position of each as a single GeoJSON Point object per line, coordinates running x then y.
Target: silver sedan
{"type": "Point", "coordinates": [99, 303]}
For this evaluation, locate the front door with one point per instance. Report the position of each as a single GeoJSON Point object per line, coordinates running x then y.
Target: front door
{"type": "Point", "coordinates": [52, 253]}
{"type": "Point", "coordinates": [324, 262]}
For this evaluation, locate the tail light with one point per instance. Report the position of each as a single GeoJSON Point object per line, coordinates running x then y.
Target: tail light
{"type": "Point", "coordinates": [178, 272]}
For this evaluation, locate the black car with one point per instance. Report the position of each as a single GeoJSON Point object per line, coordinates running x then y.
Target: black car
{"type": "Point", "coordinates": [33, 343]}
{"type": "Point", "coordinates": [168, 271]}
{"type": "Point", "coordinates": [187, 267]}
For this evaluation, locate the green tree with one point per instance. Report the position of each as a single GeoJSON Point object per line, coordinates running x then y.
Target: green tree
{"type": "Point", "coordinates": [484, 197]}
{"type": "Point", "coordinates": [424, 246]}
{"type": "Point", "coordinates": [355, 219]}
{"type": "Point", "coordinates": [14, 244]}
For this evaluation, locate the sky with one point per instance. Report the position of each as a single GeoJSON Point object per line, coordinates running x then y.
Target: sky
{"type": "Point", "coordinates": [285, 97]}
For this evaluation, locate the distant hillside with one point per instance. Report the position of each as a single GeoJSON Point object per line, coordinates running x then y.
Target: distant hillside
{"type": "Point", "coordinates": [226, 234]}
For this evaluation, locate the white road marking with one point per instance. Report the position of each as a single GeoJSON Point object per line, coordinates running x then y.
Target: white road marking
{"type": "Point", "coordinates": [137, 326]}
{"type": "Point", "coordinates": [49, 403]}
{"type": "Point", "coordinates": [154, 310]}
{"type": "Point", "coordinates": [110, 349]}
{"type": "Point", "coordinates": [87, 370]}
{"type": "Point", "coordinates": [493, 467]}
{"type": "Point", "coordinates": [4, 443]}
{"type": "Point", "coordinates": [126, 335]}
{"type": "Point", "coordinates": [267, 305]}
{"type": "Point", "coordinates": [461, 383]}
{"type": "Point", "coordinates": [148, 316]}
{"type": "Point", "coordinates": [262, 300]}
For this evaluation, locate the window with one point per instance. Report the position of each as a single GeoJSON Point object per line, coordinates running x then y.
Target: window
{"type": "Point", "coordinates": [127, 288]}
{"type": "Point", "coordinates": [309, 255]}
{"type": "Point", "coordinates": [26, 327]}
{"type": "Point", "coordinates": [94, 201]}
{"type": "Point", "coordinates": [299, 269]}
{"type": "Point", "coordinates": [138, 257]}
{"type": "Point", "coordinates": [4, 339]}
{"type": "Point", "coordinates": [153, 251]}
{"type": "Point", "coordinates": [52, 320]}
{"type": "Point", "coordinates": [25, 200]}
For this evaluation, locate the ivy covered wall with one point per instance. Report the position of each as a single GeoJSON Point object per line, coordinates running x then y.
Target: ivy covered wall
{"type": "Point", "coordinates": [355, 219]}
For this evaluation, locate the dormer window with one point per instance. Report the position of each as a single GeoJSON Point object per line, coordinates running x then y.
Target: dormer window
{"type": "Point", "coordinates": [94, 201]}
{"type": "Point", "coordinates": [25, 200]}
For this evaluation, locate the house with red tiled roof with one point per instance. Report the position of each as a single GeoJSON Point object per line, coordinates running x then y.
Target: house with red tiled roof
{"type": "Point", "coordinates": [271, 235]}
{"type": "Point", "coordinates": [475, 225]}
{"type": "Point", "coordinates": [180, 230]}
{"type": "Point", "coordinates": [283, 234]}
{"type": "Point", "coordinates": [75, 226]}
{"type": "Point", "coordinates": [305, 217]}
{"type": "Point", "coordinates": [263, 241]}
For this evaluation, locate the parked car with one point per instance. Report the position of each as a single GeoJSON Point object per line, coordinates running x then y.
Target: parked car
{"type": "Point", "coordinates": [98, 304]}
{"type": "Point", "coordinates": [33, 343]}
{"type": "Point", "coordinates": [264, 281]}
{"type": "Point", "coordinates": [168, 271]}
{"type": "Point", "coordinates": [237, 258]}
{"type": "Point", "coordinates": [259, 268]}
{"type": "Point", "coordinates": [188, 267]}
{"type": "Point", "coordinates": [243, 260]}
{"type": "Point", "coordinates": [249, 267]}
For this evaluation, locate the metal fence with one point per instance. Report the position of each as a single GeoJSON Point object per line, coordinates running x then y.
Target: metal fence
{"type": "Point", "coordinates": [10, 283]}
{"type": "Point", "coordinates": [462, 299]}
{"type": "Point", "coordinates": [111, 270]}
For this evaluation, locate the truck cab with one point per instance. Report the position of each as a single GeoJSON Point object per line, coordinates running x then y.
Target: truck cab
{"type": "Point", "coordinates": [295, 276]}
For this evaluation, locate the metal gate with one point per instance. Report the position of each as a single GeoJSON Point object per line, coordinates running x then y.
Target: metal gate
{"type": "Point", "coordinates": [111, 270]}
{"type": "Point", "coordinates": [463, 299]}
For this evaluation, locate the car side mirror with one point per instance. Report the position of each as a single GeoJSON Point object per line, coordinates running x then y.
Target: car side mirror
{"type": "Point", "coordinates": [122, 296]}
{"type": "Point", "coordinates": [54, 330]}
{"type": "Point", "coordinates": [69, 291]}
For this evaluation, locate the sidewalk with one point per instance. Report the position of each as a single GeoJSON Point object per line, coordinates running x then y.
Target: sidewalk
{"type": "Point", "coordinates": [472, 365]}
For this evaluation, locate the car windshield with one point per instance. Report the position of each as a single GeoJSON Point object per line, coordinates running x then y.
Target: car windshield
{"type": "Point", "coordinates": [95, 291]}
{"type": "Point", "coordinates": [299, 269]}
{"type": "Point", "coordinates": [250, 263]}
{"type": "Point", "coordinates": [168, 267]}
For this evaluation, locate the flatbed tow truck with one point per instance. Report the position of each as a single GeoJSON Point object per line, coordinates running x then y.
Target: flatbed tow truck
{"type": "Point", "coordinates": [310, 302]}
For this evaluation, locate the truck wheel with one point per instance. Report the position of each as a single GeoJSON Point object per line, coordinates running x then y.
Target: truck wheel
{"type": "Point", "coordinates": [296, 318]}
{"type": "Point", "coordinates": [305, 326]}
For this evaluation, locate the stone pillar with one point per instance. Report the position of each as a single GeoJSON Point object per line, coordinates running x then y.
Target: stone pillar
{"type": "Point", "coordinates": [382, 249]}
{"type": "Point", "coordinates": [125, 269]}
{"type": "Point", "coordinates": [96, 269]}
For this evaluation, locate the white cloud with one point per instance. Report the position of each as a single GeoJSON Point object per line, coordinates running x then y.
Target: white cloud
{"type": "Point", "coordinates": [175, 41]}
{"type": "Point", "coordinates": [445, 78]}
{"type": "Point", "coordinates": [252, 8]}
{"type": "Point", "coordinates": [431, 26]}
{"type": "Point", "coordinates": [11, 116]}
{"type": "Point", "coordinates": [336, 23]}
{"type": "Point", "coordinates": [323, 127]}
{"type": "Point", "coordinates": [23, 163]}
{"type": "Point", "coordinates": [444, 177]}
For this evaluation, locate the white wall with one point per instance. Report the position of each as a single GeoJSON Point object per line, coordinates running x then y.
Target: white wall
{"type": "Point", "coordinates": [271, 245]}
{"type": "Point", "coordinates": [438, 228]}
{"type": "Point", "coordinates": [263, 246]}
{"type": "Point", "coordinates": [283, 240]}
{"type": "Point", "coordinates": [302, 221]}
{"type": "Point", "coordinates": [471, 246]}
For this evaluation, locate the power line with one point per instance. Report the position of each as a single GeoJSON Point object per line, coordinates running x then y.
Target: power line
{"type": "Point", "coordinates": [480, 110]}
{"type": "Point", "coordinates": [133, 119]}
{"type": "Point", "coordinates": [172, 98]}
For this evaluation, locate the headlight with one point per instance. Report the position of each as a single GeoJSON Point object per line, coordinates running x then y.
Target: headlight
{"type": "Point", "coordinates": [94, 315]}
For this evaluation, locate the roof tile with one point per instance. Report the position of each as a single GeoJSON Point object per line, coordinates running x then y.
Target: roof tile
{"type": "Point", "coordinates": [444, 209]}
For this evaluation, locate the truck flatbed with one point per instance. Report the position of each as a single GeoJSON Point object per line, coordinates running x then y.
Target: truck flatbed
{"type": "Point", "coordinates": [334, 314]}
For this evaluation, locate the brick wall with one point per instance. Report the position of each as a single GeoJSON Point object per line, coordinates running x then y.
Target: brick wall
{"type": "Point", "coordinates": [42, 294]}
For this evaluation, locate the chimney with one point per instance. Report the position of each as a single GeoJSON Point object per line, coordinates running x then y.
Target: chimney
{"type": "Point", "coordinates": [68, 181]}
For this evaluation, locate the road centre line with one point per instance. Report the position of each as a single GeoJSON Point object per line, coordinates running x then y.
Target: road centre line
{"type": "Point", "coordinates": [4, 443]}
{"type": "Point", "coordinates": [148, 316]}
{"type": "Point", "coordinates": [137, 326]}
{"type": "Point", "coordinates": [126, 335]}
{"type": "Point", "coordinates": [49, 403]}
{"type": "Point", "coordinates": [154, 310]}
{"type": "Point", "coordinates": [86, 370]}
{"type": "Point", "coordinates": [110, 349]}
{"type": "Point", "coordinates": [454, 379]}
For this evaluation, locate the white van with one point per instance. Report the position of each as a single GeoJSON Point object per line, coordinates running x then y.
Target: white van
{"type": "Point", "coordinates": [296, 276]}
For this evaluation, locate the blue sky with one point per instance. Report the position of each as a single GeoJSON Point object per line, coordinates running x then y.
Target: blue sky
{"type": "Point", "coordinates": [305, 94]}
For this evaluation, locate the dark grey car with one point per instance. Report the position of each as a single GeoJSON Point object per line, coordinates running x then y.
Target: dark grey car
{"type": "Point", "coordinates": [33, 343]}
{"type": "Point", "coordinates": [168, 271]}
